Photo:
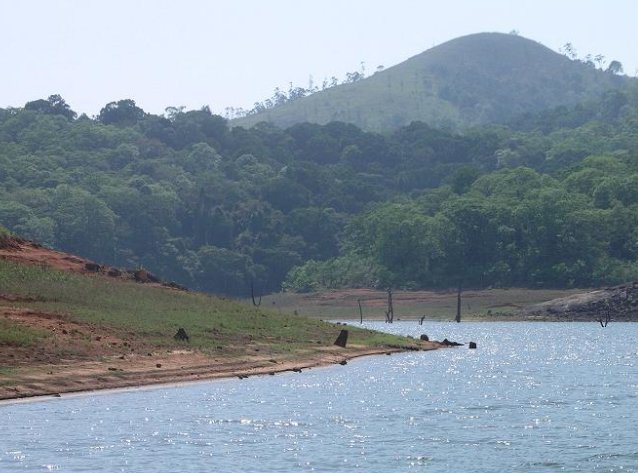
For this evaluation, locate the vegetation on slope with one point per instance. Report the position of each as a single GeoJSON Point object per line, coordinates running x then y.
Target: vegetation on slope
{"type": "Point", "coordinates": [477, 79]}
{"type": "Point", "coordinates": [549, 199]}
{"type": "Point", "coordinates": [146, 318]}
{"type": "Point", "coordinates": [222, 209]}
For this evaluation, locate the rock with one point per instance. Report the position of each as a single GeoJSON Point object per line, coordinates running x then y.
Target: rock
{"type": "Point", "coordinates": [621, 302]}
{"type": "Point", "coordinates": [343, 362]}
{"type": "Point", "coordinates": [448, 343]}
{"type": "Point", "coordinates": [93, 267]}
{"type": "Point", "coordinates": [114, 273]}
{"type": "Point", "coordinates": [174, 285]}
{"type": "Point", "coordinates": [141, 275]}
{"type": "Point", "coordinates": [425, 338]}
{"type": "Point", "coordinates": [472, 345]}
{"type": "Point", "coordinates": [158, 365]}
{"type": "Point", "coordinates": [342, 339]}
{"type": "Point", "coordinates": [181, 335]}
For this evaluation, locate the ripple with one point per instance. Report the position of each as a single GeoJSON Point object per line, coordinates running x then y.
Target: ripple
{"type": "Point", "coordinates": [533, 397]}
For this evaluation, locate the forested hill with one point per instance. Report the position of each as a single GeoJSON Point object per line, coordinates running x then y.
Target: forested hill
{"type": "Point", "coordinates": [218, 208]}
{"type": "Point", "coordinates": [477, 79]}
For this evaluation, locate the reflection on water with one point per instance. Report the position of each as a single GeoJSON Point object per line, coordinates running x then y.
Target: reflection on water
{"type": "Point", "coordinates": [534, 397]}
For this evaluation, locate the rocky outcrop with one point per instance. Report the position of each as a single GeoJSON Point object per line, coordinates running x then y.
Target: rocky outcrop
{"type": "Point", "coordinates": [619, 302]}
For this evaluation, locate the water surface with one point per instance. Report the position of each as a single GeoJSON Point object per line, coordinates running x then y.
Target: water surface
{"type": "Point", "coordinates": [534, 397]}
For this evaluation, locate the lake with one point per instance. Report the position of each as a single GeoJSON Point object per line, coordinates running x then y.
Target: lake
{"type": "Point", "coordinates": [534, 397]}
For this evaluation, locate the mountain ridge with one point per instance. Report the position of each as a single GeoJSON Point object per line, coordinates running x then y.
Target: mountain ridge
{"type": "Point", "coordinates": [472, 80]}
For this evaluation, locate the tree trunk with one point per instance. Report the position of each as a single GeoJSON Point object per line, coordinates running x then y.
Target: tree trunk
{"type": "Point", "coordinates": [252, 295]}
{"type": "Point", "coordinates": [360, 310]}
{"type": "Point", "coordinates": [389, 315]}
{"type": "Point", "coordinates": [458, 303]}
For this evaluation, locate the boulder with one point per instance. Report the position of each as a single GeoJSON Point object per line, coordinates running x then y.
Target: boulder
{"type": "Point", "coordinates": [93, 267]}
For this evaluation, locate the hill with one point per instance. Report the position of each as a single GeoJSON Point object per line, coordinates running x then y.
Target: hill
{"type": "Point", "coordinates": [476, 79]}
{"type": "Point", "coordinates": [62, 330]}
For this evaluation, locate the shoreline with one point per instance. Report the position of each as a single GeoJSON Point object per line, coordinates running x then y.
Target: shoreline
{"type": "Point", "coordinates": [39, 382]}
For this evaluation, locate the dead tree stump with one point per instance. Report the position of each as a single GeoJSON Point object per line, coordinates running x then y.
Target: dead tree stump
{"type": "Point", "coordinates": [181, 336]}
{"type": "Point", "coordinates": [342, 339]}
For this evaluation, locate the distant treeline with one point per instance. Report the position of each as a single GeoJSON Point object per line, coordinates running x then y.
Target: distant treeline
{"type": "Point", "coordinates": [550, 201]}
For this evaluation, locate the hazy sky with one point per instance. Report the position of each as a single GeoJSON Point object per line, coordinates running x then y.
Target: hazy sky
{"type": "Point", "coordinates": [206, 52]}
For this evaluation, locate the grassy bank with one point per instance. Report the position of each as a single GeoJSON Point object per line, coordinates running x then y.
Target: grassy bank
{"type": "Point", "coordinates": [489, 304]}
{"type": "Point", "coordinates": [151, 316]}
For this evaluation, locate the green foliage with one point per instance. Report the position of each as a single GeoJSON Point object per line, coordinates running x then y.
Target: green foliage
{"type": "Point", "coordinates": [476, 79]}
{"type": "Point", "coordinates": [513, 227]}
{"type": "Point", "coordinates": [221, 209]}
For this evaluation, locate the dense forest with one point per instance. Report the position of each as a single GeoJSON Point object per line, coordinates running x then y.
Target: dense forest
{"type": "Point", "coordinates": [551, 200]}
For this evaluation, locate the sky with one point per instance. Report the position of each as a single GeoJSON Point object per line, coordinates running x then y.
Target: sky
{"type": "Point", "coordinates": [233, 53]}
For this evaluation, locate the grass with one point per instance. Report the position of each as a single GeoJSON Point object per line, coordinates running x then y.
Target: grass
{"type": "Point", "coordinates": [440, 305]}
{"type": "Point", "coordinates": [15, 335]}
{"type": "Point", "coordinates": [154, 315]}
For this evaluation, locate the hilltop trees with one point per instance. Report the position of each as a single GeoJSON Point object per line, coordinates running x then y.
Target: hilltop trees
{"type": "Point", "coordinates": [122, 112]}
{"type": "Point", "coordinates": [54, 105]}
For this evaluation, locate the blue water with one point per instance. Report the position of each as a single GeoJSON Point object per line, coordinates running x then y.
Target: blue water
{"type": "Point", "coordinates": [534, 397]}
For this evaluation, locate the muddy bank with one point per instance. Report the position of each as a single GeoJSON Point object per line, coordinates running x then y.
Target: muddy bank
{"type": "Point", "coordinates": [168, 368]}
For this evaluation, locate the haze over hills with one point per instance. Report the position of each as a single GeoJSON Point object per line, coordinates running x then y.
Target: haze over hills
{"type": "Point", "coordinates": [476, 79]}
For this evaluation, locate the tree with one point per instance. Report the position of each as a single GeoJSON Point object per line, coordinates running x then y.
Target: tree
{"type": "Point", "coordinates": [615, 67]}
{"type": "Point", "coordinates": [54, 105]}
{"type": "Point", "coordinates": [569, 50]}
{"type": "Point", "coordinates": [85, 225]}
{"type": "Point", "coordinates": [121, 113]}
